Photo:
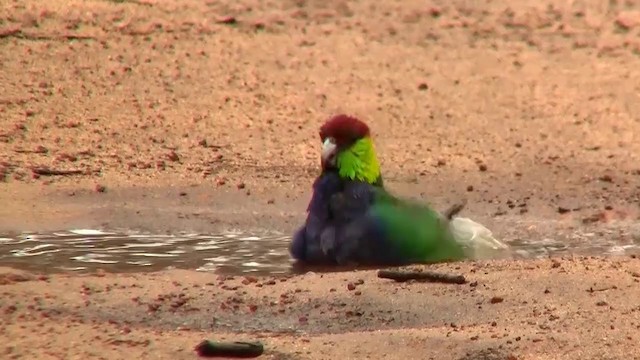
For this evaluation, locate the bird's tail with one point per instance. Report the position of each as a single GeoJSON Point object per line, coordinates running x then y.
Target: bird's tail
{"type": "Point", "coordinates": [473, 236]}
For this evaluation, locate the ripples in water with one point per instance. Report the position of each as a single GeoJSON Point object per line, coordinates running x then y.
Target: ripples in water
{"type": "Point", "coordinates": [230, 252]}
{"type": "Point", "coordinates": [79, 250]}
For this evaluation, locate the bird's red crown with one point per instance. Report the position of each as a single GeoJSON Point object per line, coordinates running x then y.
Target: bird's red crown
{"type": "Point", "coordinates": [344, 129]}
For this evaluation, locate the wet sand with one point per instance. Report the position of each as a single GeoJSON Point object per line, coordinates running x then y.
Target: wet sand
{"type": "Point", "coordinates": [203, 116]}
{"type": "Point", "coordinates": [574, 308]}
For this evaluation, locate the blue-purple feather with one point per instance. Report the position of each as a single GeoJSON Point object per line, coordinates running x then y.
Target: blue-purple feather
{"type": "Point", "coordinates": [306, 245]}
{"type": "Point", "coordinates": [360, 236]}
{"type": "Point", "coordinates": [338, 220]}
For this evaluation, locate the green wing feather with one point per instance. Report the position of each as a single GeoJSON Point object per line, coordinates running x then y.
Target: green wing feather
{"type": "Point", "coordinates": [418, 232]}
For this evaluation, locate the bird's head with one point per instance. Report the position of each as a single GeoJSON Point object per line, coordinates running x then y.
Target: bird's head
{"type": "Point", "coordinates": [347, 147]}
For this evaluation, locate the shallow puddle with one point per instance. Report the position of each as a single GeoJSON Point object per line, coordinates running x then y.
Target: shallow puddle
{"type": "Point", "coordinates": [87, 250]}
{"type": "Point", "coordinates": [232, 252]}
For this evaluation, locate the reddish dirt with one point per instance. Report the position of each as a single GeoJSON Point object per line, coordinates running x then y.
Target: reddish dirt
{"type": "Point", "coordinates": [203, 115]}
{"type": "Point", "coordinates": [572, 308]}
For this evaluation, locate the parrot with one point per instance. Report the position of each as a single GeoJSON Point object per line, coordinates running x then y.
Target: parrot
{"type": "Point", "coordinates": [306, 245]}
{"type": "Point", "coordinates": [353, 219]}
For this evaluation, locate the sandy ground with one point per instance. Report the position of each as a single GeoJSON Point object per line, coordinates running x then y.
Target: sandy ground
{"type": "Point", "coordinates": [203, 115]}
{"type": "Point", "coordinates": [574, 308]}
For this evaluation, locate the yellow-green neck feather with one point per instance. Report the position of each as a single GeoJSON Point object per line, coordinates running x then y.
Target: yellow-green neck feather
{"type": "Point", "coordinates": [359, 162]}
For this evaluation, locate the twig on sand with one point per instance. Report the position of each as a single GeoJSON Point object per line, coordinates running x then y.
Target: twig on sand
{"type": "Point", "coordinates": [10, 31]}
{"type": "Point", "coordinates": [137, 2]}
{"type": "Point", "coordinates": [16, 32]}
{"type": "Point", "coordinates": [55, 37]}
{"type": "Point", "coordinates": [592, 290]}
{"type": "Point", "coordinates": [428, 276]}
{"type": "Point", "coordinates": [236, 349]}
{"type": "Point", "coordinates": [44, 171]}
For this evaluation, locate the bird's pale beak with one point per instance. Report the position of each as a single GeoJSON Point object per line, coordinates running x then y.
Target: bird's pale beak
{"type": "Point", "coordinates": [329, 152]}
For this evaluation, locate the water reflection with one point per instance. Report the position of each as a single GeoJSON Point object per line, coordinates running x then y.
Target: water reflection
{"type": "Point", "coordinates": [231, 252]}
{"type": "Point", "coordinates": [87, 250]}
